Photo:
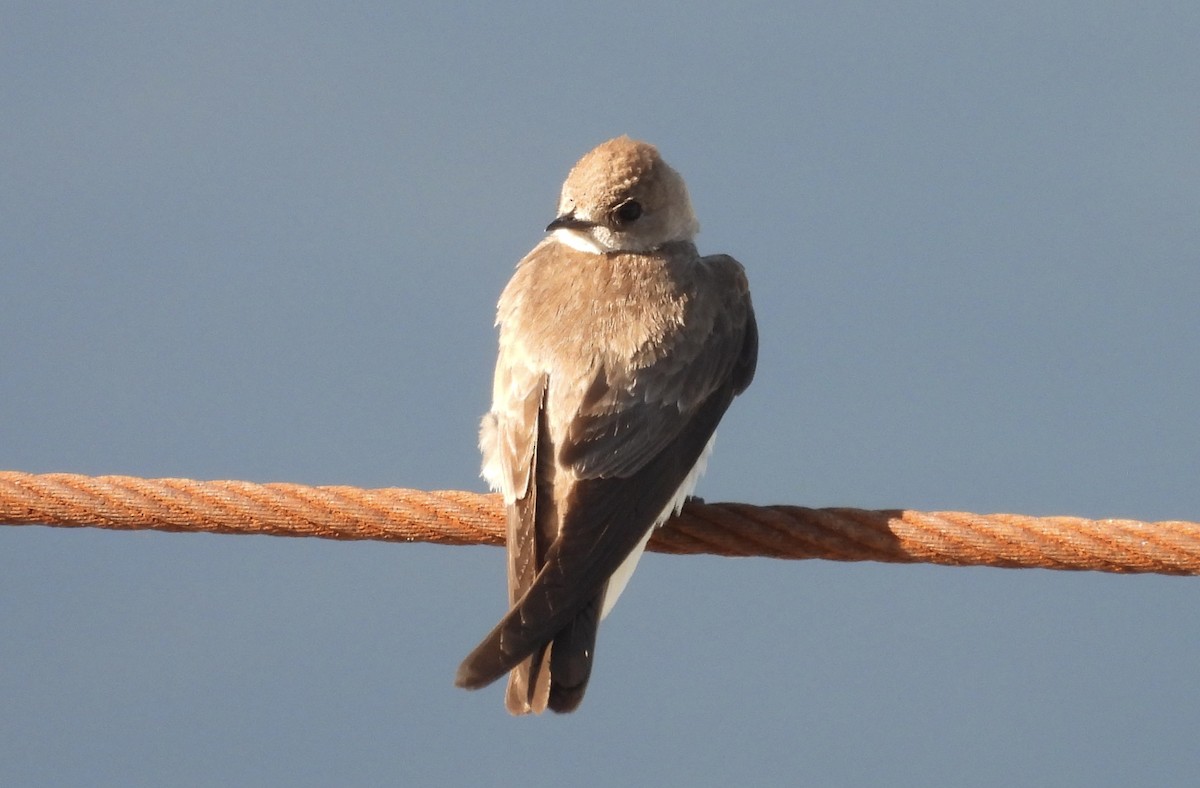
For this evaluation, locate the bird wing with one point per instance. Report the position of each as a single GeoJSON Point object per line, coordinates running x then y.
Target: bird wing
{"type": "Point", "coordinates": [627, 449]}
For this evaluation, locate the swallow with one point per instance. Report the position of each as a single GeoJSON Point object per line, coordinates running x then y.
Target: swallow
{"type": "Point", "coordinates": [620, 350]}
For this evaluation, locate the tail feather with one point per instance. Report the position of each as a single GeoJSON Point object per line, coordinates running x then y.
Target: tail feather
{"type": "Point", "coordinates": [554, 675]}
{"type": "Point", "coordinates": [571, 658]}
{"type": "Point", "coordinates": [529, 685]}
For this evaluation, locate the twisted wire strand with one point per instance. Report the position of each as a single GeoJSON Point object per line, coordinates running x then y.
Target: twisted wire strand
{"type": "Point", "coordinates": [727, 529]}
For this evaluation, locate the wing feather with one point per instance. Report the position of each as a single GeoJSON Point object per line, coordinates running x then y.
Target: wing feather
{"type": "Point", "coordinates": [632, 438]}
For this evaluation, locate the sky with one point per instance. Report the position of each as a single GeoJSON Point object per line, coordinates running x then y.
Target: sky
{"type": "Point", "coordinates": [264, 241]}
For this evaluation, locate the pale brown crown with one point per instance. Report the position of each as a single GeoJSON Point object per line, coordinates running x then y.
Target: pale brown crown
{"type": "Point", "coordinates": [599, 194]}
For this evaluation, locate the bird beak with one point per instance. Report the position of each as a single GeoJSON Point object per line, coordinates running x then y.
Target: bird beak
{"type": "Point", "coordinates": [568, 222]}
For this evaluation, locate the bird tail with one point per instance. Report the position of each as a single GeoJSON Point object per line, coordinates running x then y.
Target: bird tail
{"type": "Point", "coordinates": [553, 676]}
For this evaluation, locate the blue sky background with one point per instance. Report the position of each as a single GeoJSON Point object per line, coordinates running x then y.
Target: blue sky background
{"type": "Point", "coordinates": [264, 242]}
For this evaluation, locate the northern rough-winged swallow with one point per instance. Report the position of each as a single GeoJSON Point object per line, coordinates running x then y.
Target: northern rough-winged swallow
{"type": "Point", "coordinates": [620, 349]}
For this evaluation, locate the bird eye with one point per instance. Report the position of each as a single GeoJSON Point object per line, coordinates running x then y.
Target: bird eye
{"type": "Point", "coordinates": [627, 212]}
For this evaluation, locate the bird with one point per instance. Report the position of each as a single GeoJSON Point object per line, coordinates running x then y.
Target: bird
{"type": "Point", "coordinates": [620, 349]}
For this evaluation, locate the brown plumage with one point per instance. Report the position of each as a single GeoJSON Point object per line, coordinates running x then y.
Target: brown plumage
{"type": "Point", "coordinates": [620, 350]}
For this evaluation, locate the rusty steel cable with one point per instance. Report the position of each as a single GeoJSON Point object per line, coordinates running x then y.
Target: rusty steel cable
{"type": "Point", "coordinates": [727, 529]}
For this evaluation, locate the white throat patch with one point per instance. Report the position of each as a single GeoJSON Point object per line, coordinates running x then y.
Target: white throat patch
{"type": "Point", "coordinates": [577, 240]}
